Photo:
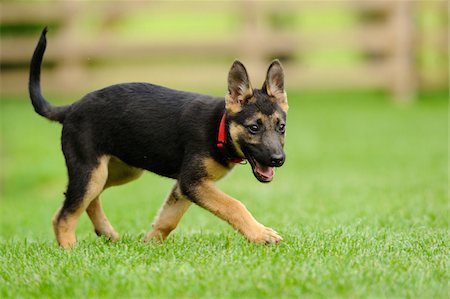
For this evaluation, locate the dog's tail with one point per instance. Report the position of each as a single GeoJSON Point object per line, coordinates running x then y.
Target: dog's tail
{"type": "Point", "coordinates": [41, 106]}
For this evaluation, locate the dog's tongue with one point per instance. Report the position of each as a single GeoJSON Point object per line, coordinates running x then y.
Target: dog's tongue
{"type": "Point", "coordinates": [265, 171]}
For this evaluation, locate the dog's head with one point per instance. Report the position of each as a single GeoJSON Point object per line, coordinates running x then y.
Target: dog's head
{"type": "Point", "coordinates": [257, 118]}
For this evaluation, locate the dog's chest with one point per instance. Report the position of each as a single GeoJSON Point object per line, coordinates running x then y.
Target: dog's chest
{"type": "Point", "coordinates": [214, 170]}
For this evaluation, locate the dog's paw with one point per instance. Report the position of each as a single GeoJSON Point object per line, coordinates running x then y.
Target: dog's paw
{"type": "Point", "coordinates": [110, 235]}
{"type": "Point", "coordinates": [263, 235]}
{"type": "Point", "coordinates": [66, 242]}
{"type": "Point", "coordinates": [156, 236]}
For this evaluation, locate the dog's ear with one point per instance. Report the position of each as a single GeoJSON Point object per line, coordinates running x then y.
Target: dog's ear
{"type": "Point", "coordinates": [274, 84]}
{"type": "Point", "coordinates": [239, 86]}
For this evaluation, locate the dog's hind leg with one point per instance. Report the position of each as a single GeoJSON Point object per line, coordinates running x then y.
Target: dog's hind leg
{"type": "Point", "coordinates": [100, 221]}
{"type": "Point", "coordinates": [86, 181]}
{"type": "Point", "coordinates": [118, 173]}
{"type": "Point", "coordinates": [169, 215]}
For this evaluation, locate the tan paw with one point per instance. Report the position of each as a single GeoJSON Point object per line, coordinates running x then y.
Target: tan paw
{"type": "Point", "coordinates": [64, 236]}
{"type": "Point", "coordinates": [66, 241]}
{"type": "Point", "coordinates": [111, 235]}
{"type": "Point", "coordinates": [263, 235]}
{"type": "Point", "coordinates": [155, 235]}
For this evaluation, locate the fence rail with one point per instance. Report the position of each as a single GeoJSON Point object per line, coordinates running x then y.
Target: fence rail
{"type": "Point", "coordinates": [384, 36]}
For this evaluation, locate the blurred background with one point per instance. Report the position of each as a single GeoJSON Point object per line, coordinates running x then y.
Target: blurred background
{"type": "Point", "coordinates": [366, 175]}
{"type": "Point", "coordinates": [353, 152]}
{"type": "Point", "coordinates": [400, 47]}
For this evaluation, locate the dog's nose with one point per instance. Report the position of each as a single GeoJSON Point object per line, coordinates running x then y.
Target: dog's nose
{"type": "Point", "coordinates": [276, 160]}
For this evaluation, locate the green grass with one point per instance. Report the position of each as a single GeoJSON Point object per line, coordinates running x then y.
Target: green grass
{"type": "Point", "coordinates": [362, 204]}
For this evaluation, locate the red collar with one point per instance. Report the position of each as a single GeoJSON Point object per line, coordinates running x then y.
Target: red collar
{"type": "Point", "coordinates": [222, 139]}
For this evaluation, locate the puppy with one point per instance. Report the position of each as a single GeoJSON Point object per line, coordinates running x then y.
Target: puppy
{"type": "Point", "coordinates": [112, 135]}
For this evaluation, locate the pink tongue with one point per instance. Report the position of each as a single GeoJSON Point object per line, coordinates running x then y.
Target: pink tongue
{"type": "Point", "coordinates": [264, 170]}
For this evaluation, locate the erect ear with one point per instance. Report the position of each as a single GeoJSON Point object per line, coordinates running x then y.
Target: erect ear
{"type": "Point", "coordinates": [274, 84]}
{"type": "Point", "coordinates": [239, 87]}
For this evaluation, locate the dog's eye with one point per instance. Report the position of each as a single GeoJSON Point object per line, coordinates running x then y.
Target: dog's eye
{"type": "Point", "coordinates": [253, 129]}
{"type": "Point", "coordinates": [282, 128]}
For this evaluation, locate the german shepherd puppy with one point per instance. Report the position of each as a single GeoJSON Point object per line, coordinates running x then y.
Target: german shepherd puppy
{"type": "Point", "coordinates": [111, 135]}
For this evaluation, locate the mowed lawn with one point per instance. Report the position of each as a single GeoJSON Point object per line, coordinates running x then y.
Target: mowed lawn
{"type": "Point", "coordinates": [362, 204]}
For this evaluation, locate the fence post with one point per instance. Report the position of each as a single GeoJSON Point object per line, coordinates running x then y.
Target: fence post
{"type": "Point", "coordinates": [404, 66]}
{"type": "Point", "coordinates": [70, 69]}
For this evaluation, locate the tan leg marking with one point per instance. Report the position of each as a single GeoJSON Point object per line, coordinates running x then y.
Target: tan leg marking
{"type": "Point", "coordinates": [169, 215]}
{"type": "Point", "coordinates": [65, 225]}
{"type": "Point", "coordinates": [120, 173]}
{"type": "Point", "coordinates": [100, 221]}
{"type": "Point", "coordinates": [235, 213]}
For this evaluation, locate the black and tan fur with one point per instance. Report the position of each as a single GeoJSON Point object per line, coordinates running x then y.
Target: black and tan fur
{"type": "Point", "coordinates": [111, 135]}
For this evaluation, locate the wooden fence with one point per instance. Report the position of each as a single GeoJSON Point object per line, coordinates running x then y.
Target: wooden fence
{"type": "Point", "coordinates": [88, 47]}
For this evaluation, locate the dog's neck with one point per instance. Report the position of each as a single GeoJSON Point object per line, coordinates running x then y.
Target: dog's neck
{"type": "Point", "coordinates": [225, 143]}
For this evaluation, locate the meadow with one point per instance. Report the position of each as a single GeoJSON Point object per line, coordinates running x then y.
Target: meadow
{"type": "Point", "coordinates": [362, 205]}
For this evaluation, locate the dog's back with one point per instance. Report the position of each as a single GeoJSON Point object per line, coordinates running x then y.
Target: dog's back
{"type": "Point", "coordinates": [145, 125]}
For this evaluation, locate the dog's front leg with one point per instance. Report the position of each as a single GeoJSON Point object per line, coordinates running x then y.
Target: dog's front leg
{"type": "Point", "coordinates": [169, 215]}
{"type": "Point", "coordinates": [208, 196]}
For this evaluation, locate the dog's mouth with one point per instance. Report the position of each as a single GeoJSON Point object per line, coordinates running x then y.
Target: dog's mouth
{"type": "Point", "coordinates": [263, 173]}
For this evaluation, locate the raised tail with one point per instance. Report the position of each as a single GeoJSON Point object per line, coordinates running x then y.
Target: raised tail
{"type": "Point", "coordinates": [41, 106]}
